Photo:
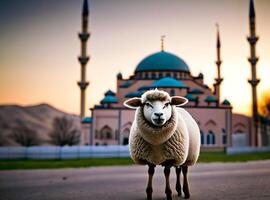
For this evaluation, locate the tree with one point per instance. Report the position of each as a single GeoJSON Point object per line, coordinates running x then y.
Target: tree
{"type": "Point", "coordinates": [64, 132]}
{"type": "Point", "coordinates": [2, 138]}
{"type": "Point", "coordinates": [25, 136]}
{"type": "Point", "coordinates": [264, 106]}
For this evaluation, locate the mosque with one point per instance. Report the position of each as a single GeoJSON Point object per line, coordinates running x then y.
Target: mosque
{"type": "Point", "coordinates": [110, 121]}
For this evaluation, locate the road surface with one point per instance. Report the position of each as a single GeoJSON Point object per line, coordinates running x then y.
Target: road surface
{"type": "Point", "coordinates": [207, 181]}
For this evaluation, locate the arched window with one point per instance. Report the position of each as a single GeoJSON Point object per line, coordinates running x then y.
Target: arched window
{"type": "Point", "coordinates": [202, 138]}
{"type": "Point", "coordinates": [146, 75]}
{"type": "Point", "coordinates": [172, 92]}
{"type": "Point", "coordinates": [224, 136]}
{"type": "Point", "coordinates": [160, 75]}
{"type": "Point", "coordinates": [211, 140]}
{"type": "Point", "coordinates": [153, 75]}
{"type": "Point", "coordinates": [106, 132]}
{"type": "Point", "coordinates": [125, 136]}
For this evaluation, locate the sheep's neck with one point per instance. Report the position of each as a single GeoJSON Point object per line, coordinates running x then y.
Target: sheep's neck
{"type": "Point", "coordinates": [153, 134]}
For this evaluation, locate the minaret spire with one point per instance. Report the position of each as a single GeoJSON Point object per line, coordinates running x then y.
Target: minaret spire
{"type": "Point", "coordinates": [218, 63]}
{"type": "Point", "coordinates": [83, 58]}
{"type": "Point", "coordinates": [253, 59]}
{"type": "Point", "coordinates": [162, 42]}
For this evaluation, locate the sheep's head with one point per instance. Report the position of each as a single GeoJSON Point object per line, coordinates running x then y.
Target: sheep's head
{"type": "Point", "coordinates": [156, 105]}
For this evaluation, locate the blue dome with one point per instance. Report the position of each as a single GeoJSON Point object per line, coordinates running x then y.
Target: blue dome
{"type": "Point", "coordinates": [109, 93]}
{"type": "Point", "coordinates": [162, 61]}
{"type": "Point", "coordinates": [87, 120]}
{"type": "Point", "coordinates": [190, 97]}
{"type": "Point", "coordinates": [134, 94]}
{"type": "Point", "coordinates": [109, 99]}
{"type": "Point", "coordinates": [168, 82]}
{"type": "Point", "coordinates": [210, 99]}
{"type": "Point", "coordinates": [196, 91]}
{"type": "Point", "coordinates": [226, 103]}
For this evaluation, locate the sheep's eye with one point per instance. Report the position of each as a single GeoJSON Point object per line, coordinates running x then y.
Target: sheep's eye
{"type": "Point", "coordinates": [148, 105]}
{"type": "Point", "coordinates": [166, 105]}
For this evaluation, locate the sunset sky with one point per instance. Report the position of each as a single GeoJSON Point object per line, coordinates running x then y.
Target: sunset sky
{"type": "Point", "coordinates": [39, 46]}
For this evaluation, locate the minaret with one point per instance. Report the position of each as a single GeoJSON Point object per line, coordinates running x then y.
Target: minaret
{"type": "Point", "coordinates": [83, 58]}
{"type": "Point", "coordinates": [218, 63]}
{"type": "Point", "coordinates": [252, 39]}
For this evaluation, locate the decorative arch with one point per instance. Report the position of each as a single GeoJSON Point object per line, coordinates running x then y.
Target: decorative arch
{"type": "Point", "coordinates": [210, 122]}
{"type": "Point", "coordinates": [202, 138]}
{"type": "Point", "coordinates": [211, 138]}
{"type": "Point", "coordinates": [125, 135]}
{"type": "Point", "coordinates": [239, 127]}
{"type": "Point", "coordinates": [106, 132]}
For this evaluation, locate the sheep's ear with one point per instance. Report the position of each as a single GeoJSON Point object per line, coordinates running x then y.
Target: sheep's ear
{"type": "Point", "coordinates": [133, 103]}
{"type": "Point", "coordinates": [178, 101]}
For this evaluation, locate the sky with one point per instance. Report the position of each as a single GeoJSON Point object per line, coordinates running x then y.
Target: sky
{"type": "Point", "coordinates": [39, 46]}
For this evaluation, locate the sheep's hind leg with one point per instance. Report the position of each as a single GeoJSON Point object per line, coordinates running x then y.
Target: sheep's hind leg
{"type": "Point", "coordinates": [178, 183]}
{"type": "Point", "coordinates": [149, 189]}
{"type": "Point", "coordinates": [168, 190]}
{"type": "Point", "coordinates": [185, 183]}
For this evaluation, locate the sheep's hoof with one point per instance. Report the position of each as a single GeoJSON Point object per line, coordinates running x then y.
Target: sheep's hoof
{"type": "Point", "coordinates": [149, 192]}
{"type": "Point", "coordinates": [169, 197]}
{"type": "Point", "coordinates": [178, 189]}
{"type": "Point", "coordinates": [187, 196]}
{"type": "Point", "coordinates": [168, 193]}
{"type": "Point", "coordinates": [149, 196]}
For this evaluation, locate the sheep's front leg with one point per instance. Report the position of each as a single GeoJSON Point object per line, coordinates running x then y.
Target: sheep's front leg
{"type": "Point", "coordinates": [149, 189]}
{"type": "Point", "coordinates": [185, 184]}
{"type": "Point", "coordinates": [168, 190]}
{"type": "Point", "coordinates": [178, 184]}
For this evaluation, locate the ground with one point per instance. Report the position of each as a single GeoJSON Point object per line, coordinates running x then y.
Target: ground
{"type": "Point", "coordinates": [246, 180]}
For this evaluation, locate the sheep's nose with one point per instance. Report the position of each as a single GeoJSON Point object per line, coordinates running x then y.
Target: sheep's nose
{"type": "Point", "coordinates": [159, 114]}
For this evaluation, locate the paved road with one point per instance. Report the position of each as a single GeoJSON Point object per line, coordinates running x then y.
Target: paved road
{"type": "Point", "coordinates": [208, 181]}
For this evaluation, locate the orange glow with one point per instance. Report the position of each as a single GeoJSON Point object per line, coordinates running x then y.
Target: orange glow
{"type": "Point", "coordinates": [38, 59]}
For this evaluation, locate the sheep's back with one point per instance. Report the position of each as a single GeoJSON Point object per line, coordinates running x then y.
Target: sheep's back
{"type": "Point", "coordinates": [194, 136]}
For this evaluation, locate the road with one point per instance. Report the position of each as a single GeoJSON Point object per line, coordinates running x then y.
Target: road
{"type": "Point", "coordinates": [207, 181]}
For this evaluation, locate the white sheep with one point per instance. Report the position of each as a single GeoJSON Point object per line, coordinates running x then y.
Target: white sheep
{"type": "Point", "coordinates": [162, 134]}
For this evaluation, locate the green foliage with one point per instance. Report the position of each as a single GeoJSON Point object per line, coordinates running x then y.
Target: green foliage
{"type": "Point", "coordinates": [205, 157]}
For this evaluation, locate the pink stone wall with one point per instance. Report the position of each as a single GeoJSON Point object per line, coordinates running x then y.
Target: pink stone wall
{"type": "Point", "coordinates": [209, 119]}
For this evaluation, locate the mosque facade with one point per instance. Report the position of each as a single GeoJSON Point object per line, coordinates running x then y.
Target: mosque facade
{"type": "Point", "coordinates": [110, 121]}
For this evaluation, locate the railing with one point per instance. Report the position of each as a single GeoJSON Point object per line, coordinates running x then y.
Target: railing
{"type": "Point", "coordinates": [245, 150]}
{"type": "Point", "coordinates": [62, 153]}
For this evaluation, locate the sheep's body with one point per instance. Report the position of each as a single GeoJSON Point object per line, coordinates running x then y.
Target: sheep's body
{"type": "Point", "coordinates": [162, 134]}
{"type": "Point", "coordinates": [181, 142]}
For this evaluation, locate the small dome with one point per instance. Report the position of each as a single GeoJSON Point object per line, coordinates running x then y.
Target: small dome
{"type": "Point", "coordinates": [109, 93]}
{"type": "Point", "coordinates": [162, 61]}
{"type": "Point", "coordinates": [226, 103]}
{"type": "Point", "coordinates": [190, 97]}
{"type": "Point", "coordinates": [168, 82]}
{"type": "Point", "coordinates": [109, 99]}
{"type": "Point", "coordinates": [196, 91]}
{"type": "Point", "coordinates": [134, 94]}
{"type": "Point", "coordinates": [210, 99]}
{"type": "Point", "coordinates": [87, 120]}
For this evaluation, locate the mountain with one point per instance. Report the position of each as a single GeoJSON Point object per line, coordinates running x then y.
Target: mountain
{"type": "Point", "coordinates": [37, 117]}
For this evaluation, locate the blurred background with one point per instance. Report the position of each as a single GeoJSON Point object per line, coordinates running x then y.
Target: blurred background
{"type": "Point", "coordinates": [201, 45]}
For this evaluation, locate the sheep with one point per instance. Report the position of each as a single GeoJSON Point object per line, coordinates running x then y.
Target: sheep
{"type": "Point", "coordinates": [162, 134]}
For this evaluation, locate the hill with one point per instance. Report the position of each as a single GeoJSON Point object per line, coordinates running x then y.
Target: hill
{"type": "Point", "coordinates": [37, 117]}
